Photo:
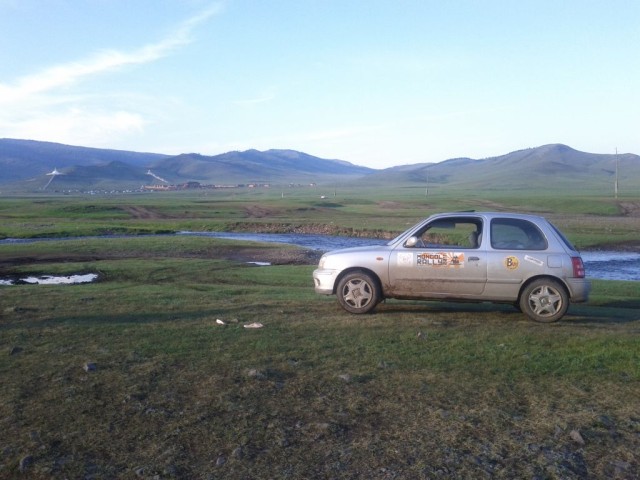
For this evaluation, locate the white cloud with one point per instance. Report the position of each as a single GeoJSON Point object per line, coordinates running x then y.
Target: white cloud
{"type": "Point", "coordinates": [255, 101]}
{"type": "Point", "coordinates": [70, 73]}
{"type": "Point", "coordinates": [77, 126]}
{"type": "Point", "coordinates": [41, 105]}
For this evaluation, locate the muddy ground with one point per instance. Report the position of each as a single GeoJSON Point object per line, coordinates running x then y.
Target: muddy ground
{"type": "Point", "coordinates": [274, 255]}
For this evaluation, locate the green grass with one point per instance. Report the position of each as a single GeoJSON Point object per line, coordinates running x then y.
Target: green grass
{"type": "Point", "coordinates": [416, 390]}
{"type": "Point", "coordinates": [588, 221]}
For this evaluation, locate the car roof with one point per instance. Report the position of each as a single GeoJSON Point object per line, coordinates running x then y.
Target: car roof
{"type": "Point", "coordinates": [488, 215]}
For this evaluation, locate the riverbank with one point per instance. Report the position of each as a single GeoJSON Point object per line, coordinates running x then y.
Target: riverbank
{"type": "Point", "coordinates": [310, 229]}
{"type": "Point", "coordinates": [335, 230]}
{"type": "Point", "coordinates": [602, 263]}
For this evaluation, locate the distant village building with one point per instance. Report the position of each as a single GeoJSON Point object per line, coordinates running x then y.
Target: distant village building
{"type": "Point", "coordinates": [189, 185]}
{"type": "Point", "coordinates": [159, 188]}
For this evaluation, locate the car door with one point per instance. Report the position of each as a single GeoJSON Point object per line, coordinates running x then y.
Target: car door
{"type": "Point", "coordinates": [445, 258]}
{"type": "Point", "coordinates": [518, 251]}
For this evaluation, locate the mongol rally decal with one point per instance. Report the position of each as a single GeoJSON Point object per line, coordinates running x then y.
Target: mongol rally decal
{"type": "Point", "coordinates": [441, 259]}
{"type": "Point", "coordinates": [429, 259]}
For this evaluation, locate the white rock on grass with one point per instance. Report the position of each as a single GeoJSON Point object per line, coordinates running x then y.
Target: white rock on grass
{"type": "Point", "coordinates": [576, 437]}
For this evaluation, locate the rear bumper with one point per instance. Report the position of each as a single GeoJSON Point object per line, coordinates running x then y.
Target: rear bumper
{"type": "Point", "coordinates": [579, 289]}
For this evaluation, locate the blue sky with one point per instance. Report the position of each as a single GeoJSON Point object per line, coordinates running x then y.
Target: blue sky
{"type": "Point", "coordinates": [376, 83]}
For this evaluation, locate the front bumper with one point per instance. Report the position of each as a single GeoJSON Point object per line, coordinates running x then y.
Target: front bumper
{"type": "Point", "coordinates": [324, 281]}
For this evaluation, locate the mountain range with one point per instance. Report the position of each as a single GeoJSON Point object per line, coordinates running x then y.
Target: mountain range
{"type": "Point", "coordinates": [27, 165]}
{"type": "Point", "coordinates": [548, 168]}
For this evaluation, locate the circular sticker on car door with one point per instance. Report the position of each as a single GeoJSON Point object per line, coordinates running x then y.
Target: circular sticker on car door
{"type": "Point", "coordinates": [511, 263]}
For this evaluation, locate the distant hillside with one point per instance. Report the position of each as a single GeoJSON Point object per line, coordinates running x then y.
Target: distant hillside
{"type": "Point", "coordinates": [112, 176]}
{"type": "Point", "coordinates": [282, 166]}
{"type": "Point", "coordinates": [24, 164]}
{"type": "Point", "coordinates": [546, 168]}
{"type": "Point", "coordinates": [25, 159]}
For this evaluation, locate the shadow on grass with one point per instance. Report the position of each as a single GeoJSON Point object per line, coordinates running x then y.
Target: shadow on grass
{"type": "Point", "coordinates": [635, 304]}
{"type": "Point", "coordinates": [604, 315]}
{"type": "Point", "coordinates": [616, 313]}
{"type": "Point", "coordinates": [445, 307]}
{"type": "Point", "coordinates": [577, 314]}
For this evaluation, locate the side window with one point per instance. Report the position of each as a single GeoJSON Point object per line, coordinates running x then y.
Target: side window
{"type": "Point", "coordinates": [455, 232]}
{"type": "Point", "coordinates": [515, 234]}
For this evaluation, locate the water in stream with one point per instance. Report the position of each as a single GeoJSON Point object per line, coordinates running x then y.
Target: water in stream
{"type": "Point", "coordinates": [606, 265]}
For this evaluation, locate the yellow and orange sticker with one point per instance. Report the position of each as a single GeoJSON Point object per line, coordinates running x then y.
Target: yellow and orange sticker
{"type": "Point", "coordinates": [512, 263]}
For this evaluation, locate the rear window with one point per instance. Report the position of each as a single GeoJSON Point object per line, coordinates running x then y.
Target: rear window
{"type": "Point", "coordinates": [516, 234]}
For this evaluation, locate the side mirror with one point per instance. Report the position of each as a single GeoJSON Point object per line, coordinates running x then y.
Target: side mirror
{"type": "Point", "coordinates": [411, 242]}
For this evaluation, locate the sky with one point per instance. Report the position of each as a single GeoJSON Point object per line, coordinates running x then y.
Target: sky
{"type": "Point", "coordinates": [376, 83]}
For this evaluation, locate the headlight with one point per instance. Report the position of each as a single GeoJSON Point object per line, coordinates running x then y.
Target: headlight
{"type": "Point", "coordinates": [321, 262]}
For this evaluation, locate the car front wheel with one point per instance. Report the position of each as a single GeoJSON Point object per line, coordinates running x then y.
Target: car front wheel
{"type": "Point", "coordinates": [544, 300]}
{"type": "Point", "coordinates": [358, 292]}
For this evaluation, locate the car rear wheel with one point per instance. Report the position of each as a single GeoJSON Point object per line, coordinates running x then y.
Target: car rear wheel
{"type": "Point", "coordinates": [544, 300]}
{"type": "Point", "coordinates": [358, 292]}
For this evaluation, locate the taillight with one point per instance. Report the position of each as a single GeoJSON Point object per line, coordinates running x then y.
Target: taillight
{"type": "Point", "coordinates": [578, 267]}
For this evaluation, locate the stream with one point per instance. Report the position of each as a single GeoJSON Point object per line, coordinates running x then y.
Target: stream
{"type": "Point", "coordinates": [605, 265]}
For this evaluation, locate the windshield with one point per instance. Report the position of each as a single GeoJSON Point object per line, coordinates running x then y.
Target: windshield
{"type": "Point", "coordinates": [398, 237]}
{"type": "Point", "coordinates": [395, 239]}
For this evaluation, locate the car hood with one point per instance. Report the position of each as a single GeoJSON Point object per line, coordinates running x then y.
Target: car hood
{"type": "Point", "coordinates": [362, 249]}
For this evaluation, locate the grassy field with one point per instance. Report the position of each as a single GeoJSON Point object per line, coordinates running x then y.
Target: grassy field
{"type": "Point", "coordinates": [134, 377]}
{"type": "Point", "coordinates": [588, 221]}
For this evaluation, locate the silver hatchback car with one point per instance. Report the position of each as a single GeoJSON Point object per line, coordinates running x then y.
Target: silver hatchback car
{"type": "Point", "coordinates": [465, 256]}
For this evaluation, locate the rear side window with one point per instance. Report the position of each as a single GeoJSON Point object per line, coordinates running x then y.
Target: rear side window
{"type": "Point", "coordinates": [563, 238]}
{"type": "Point", "coordinates": [516, 234]}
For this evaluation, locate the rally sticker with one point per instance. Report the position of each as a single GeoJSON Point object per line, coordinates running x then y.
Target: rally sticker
{"type": "Point", "coordinates": [441, 259]}
{"type": "Point", "coordinates": [511, 263]}
{"type": "Point", "coordinates": [405, 258]}
{"type": "Point", "coordinates": [534, 260]}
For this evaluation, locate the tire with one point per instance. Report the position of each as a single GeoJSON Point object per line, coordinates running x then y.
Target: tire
{"type": "Point", "coordinates": [544, 300]}
{"type": "Point", "coordinates": [358, 292]}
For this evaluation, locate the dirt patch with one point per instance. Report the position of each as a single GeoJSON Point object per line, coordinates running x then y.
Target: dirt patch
{"type": "Point", "coordinates": [258, 211]}
{"type": "Point", "coordinates": [390, 205]}
{"type": "Point", "coordinates": [143, 212]}
{"type": "Point", "coordinates": [629, 209]}
{"type": "Point", "coordinates": [48, 258]}
{"type": "Point", "coordinates": [275, 255]}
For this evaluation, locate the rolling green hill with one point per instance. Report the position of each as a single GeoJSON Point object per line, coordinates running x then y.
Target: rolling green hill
{"type": "Point", "coordinates": [29, 159]}
{"type": "Point", "coordinates": [25, 165]}
{"type": "Point", "coordinates": [281, 166]}
{"type": "Point", "coordinates": [546, 168]}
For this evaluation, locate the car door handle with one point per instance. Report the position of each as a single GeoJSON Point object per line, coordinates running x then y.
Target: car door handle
{"type": "Point", "coordinates": [474, 259]}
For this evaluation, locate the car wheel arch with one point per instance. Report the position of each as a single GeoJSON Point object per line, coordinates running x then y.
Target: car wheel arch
{"type": "Point", "coordinates": [530, 280]}
{"type": "Point", "coordinates": [367, 271]}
